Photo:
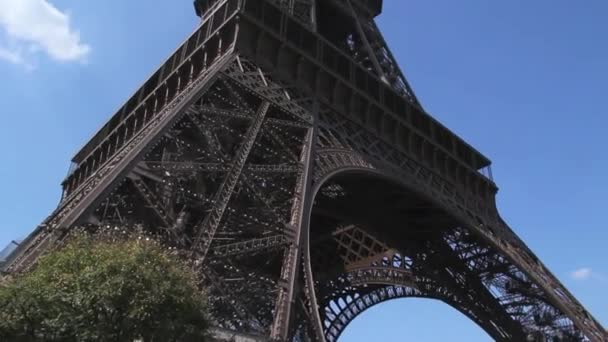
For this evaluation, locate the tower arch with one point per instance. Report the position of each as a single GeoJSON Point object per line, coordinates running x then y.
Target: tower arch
{"type": "Point", "coordinates": [372, 239]}
{"type": "Point", "coordinates": [282, 141]}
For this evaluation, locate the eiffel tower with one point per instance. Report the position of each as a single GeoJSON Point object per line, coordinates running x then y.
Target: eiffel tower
{"type": "Point", "coordinates": [283, 153]}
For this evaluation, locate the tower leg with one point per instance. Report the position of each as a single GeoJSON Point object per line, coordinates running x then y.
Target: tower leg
{"type": "Point", "coordinates": [296, 263]}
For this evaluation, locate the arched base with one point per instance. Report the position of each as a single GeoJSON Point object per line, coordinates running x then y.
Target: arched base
{"type": "Point", "coordinates": [413, 319]}
{"type": "Point", "coordinates": [372, 239]}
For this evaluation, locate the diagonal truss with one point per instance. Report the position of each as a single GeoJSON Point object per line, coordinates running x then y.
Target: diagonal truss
{"type": "Point", "coordinates": [282, 152]}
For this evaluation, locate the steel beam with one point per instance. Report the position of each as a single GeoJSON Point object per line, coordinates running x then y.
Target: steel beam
{"type": "Point", "coordinates": [207, 228]}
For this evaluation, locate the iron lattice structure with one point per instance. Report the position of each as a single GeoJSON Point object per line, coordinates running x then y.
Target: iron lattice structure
{"type": "Point", "coordinates": [281, 150]}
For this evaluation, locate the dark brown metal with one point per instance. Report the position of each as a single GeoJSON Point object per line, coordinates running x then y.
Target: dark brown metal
{"type": "Point", "coordinates": [282, 151]}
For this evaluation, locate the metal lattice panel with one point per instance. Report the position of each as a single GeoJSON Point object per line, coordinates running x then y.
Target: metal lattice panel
{"type": "Point", "coordinates": [281, 152]}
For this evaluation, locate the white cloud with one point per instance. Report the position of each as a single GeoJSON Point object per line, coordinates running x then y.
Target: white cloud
{"type": "Point", "coordinates": [11, 56]}
{"type": "Point", "coordinates": [37, 25]}
{"type": "Point", "coordinates": [583, 273]}
{"type": "Point", "coordinates": [15, 57]}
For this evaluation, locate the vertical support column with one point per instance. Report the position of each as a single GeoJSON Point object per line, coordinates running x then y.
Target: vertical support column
{"type": "Point", "coordinates": [370, 51]}
{"type": "Point", "coordinates": [315, 318]}
{"type": "Point", "coordinates": [313, 14]}
{"type": "Point", "coordinates": [296, 254]}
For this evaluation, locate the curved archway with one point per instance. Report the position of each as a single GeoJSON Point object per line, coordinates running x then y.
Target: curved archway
{"type": "Point", "coordinates": [363, 220]}
{"type": "Point", "coordinates": [413, 319]}
{"type": "Point", "coordinates": [341, 312]}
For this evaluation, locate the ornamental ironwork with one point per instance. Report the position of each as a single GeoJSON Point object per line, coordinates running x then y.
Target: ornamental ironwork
{"type": "Point", "coordinates": [283, 153]}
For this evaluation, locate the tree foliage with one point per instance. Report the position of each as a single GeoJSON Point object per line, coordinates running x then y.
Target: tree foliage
{"type": "Point", "coordinates": [104, 291]}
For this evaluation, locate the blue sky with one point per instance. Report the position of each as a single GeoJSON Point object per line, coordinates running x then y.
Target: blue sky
{"type": "Point", "coordinates": [523, 81]}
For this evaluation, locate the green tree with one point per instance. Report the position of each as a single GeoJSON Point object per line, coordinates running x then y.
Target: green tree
{"type": "Point", "coordinates": [104, 291]}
